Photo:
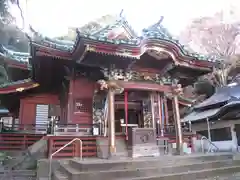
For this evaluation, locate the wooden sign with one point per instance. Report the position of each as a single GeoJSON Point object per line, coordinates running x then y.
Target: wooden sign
{"type": "Point", "coordinates": [83, 105]}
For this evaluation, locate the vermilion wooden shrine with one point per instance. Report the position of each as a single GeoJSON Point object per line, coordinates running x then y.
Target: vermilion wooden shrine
{"type": "Point", "coordinates": [109, 78]}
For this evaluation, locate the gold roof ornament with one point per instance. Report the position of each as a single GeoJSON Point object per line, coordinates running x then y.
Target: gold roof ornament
{"type": "Point", "coordinates": [20, 89]}
{"type": "Point", "coordinates": [104, 85]}
{"type": "Point", "coordinates": [35, 85]}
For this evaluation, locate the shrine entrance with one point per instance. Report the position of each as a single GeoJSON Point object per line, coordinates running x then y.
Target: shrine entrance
{"type": "Point", "coordinates": [134, 119]}
{"type": "Point", "coordinates": [128, 111]}
{"type": "Point", "coordinates": [140, 109]}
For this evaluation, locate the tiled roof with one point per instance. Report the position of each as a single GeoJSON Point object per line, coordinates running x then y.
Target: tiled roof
{"type": "Point", "coordinates": [21, 57]}
{"type": "Point", "coordinates": [225, 98]}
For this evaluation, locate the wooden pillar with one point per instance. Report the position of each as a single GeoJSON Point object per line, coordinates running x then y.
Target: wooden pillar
{"type": "Point", "coordinates": [70, 104]}
{"type": "Point", "coordinates": [179, 137]}
{"type": "Point", "coordinates": [126, 113]}
{"type": "Point", "coordinates": [160, 127]}
{"type": "Point", "coordinates": [166, 111]}
{"type": "Point", "coordinates": [152, 110]}
{"type": "Point", "coordinates": [111, 123]}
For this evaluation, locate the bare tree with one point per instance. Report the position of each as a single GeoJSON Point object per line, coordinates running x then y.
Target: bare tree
{"type": "Point", "coordinates": [5, 15]}
{"type": "Point", "coordinates": [216, 37]}
{"type": "Point", "coordinates": [4, 11]}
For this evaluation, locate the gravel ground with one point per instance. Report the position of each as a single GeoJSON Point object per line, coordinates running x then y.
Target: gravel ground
{"type": "Point", "coordinates": [235, 176]}
{"type": "Point", "coordinates": [18, 178]}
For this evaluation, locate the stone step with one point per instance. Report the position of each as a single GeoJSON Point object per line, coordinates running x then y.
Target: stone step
{"type": "Point", "coordinates": [21, 172]}
{"type": "Point", "coordinates": [58, 175]}
{"type": "Point", "coordinates": [191, 175]}
{"type": "Point", "coordinates": [19, 178]}
{"type": "Point", "coordinates": [18, 175]}
{"type": "Point", "coordinates": [234, 176]}
{"type": "Point", "coordinates": [74, 174]}
{"type": "Point", "coordinates": [102, 148]}
{"type": "Point", "coordinates": [104, 165]}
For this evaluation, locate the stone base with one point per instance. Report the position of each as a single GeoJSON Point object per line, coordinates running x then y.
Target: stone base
{"type": "Point", "coordinates": [144, 151]}
{"type": "Point", "coordinates": [102, 149]}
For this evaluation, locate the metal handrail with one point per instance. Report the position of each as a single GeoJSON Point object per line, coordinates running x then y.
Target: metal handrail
{"type": "Point", "coordinates": [50, 161]}
{"type": "Point", "coordinates": [211, 143]}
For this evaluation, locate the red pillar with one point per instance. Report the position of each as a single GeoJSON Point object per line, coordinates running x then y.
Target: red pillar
{"type": "Point", "coordinates": [166, 111]}
{"type": "Point", "coordinates": [126, 112]}
{"type": "Point", "coordinates": [70, 104]}
{"type": "Point", "coordinates": [160, 114]}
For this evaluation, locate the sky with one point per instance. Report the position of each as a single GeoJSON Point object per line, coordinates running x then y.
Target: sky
{"type": "Point", "coordinates": [53, 17]}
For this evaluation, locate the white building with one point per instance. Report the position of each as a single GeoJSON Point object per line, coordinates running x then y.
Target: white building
{"type": "Point", "coordinates": [218, 119]}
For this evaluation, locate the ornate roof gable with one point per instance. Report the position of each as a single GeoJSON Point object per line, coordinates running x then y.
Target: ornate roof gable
{"type": "Point", "coordinates": [111, 29]}
{"type": "Point", "coordinates": [157, 30]}
{"type": "Point", "coordinates": [159, 33]}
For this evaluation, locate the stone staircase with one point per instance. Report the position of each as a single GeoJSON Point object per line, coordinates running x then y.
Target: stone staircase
{"type": "Point", "coordinates": [162, 168]}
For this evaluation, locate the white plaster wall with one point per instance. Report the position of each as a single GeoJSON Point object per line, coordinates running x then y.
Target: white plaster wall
{"type": "Point", "coordinates": [222, 145]}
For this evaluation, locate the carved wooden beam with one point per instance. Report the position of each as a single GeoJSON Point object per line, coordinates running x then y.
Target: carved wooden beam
{"type": "Point", "coordinates": [145, 86]}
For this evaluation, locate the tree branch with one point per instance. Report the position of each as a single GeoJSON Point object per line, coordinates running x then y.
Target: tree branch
{"type": "Point", "coordinates": [217, 38]}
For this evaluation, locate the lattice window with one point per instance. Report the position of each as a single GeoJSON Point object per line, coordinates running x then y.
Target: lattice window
{"type": "Point", "coordinates": [83, 105]}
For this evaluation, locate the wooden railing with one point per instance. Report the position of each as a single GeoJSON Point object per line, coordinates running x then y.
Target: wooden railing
{"type": "Point", "coordinates": [56, 129]}
{"type": "Point", "coordinates": [73, 129]}
{"type": "Point", "coordinates": [18, 141]}
{"type": "Point", "coordinates": [25, 128]}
